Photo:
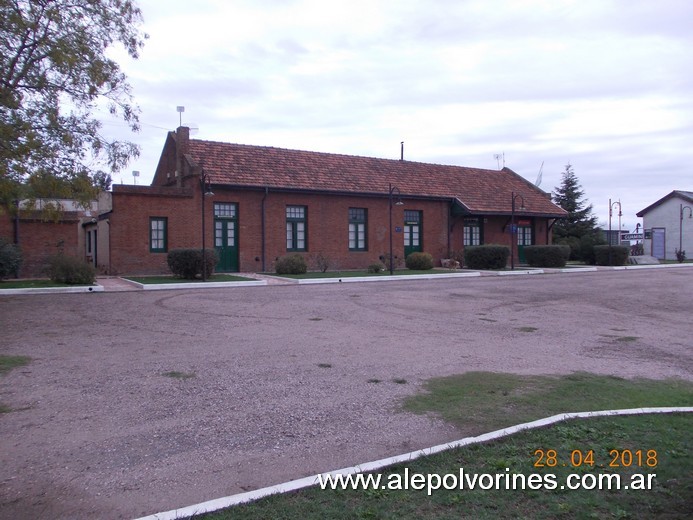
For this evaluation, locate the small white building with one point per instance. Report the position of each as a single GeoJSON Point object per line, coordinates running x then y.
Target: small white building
{"type": "Point", "coordinates": [668, 225]}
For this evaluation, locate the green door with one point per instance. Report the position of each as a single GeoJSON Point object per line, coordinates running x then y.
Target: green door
{"type": "Point", "coordinates": [413, 233]}
{"type": "Point", "coordinates": [226, 237]}
{"type": "Point", "coordinates": [524, 238]}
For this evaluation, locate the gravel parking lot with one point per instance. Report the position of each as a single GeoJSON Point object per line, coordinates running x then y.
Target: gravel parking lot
{"type": "Point", "coordinates": [282, 378]}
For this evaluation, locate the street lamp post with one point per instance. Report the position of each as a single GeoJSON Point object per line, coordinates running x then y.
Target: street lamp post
{"type": "Point", "coordinates": [690, 215]}
{"type": "Point", "coordinates": [513, 231]}
{"type": "Point", "coordinates": [205, 191]}
{"type": "Point", "coordinates": [611, 206]}
{"type": "Point", "coordinates": [393, 190]}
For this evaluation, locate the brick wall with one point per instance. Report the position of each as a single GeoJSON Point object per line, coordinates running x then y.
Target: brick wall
{"type": "Point", "coordinates": [327, 226]}
{"type": "Point", "coordinates": [40, 240]}
{"type": "Point", "coordinates": [129, 226]}
{"type": "Point", "coordinates": [327, 223]}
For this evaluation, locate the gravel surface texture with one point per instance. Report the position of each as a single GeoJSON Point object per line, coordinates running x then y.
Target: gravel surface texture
{"type": "Point", "coordinates": [282, 378]}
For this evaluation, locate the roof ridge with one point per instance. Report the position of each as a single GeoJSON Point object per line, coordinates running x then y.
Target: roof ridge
{"type": "Point", "coordinates": [332, 154]}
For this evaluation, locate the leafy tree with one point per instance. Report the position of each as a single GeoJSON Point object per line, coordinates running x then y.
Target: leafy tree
{"type": "Point", "coordinates": [54, 75]}
{"type": "Point", "coordinates": [579, 228]}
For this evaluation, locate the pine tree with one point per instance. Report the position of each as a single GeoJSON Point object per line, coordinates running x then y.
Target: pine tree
{"type": "Point", "coordinates": [579, 228]}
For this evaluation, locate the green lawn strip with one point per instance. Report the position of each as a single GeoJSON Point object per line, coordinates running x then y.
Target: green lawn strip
{"type": "Point", "coordinates": [478, 402]}
{"type": "Point", "coordinates": [671, 496]}
{"type": "Point", "coordinates": [349, 274]}
{"type": "Point", "coordinates": [7, 363]}
{"type": "Point", "coordinates": [171, 279]}
{"type": "Point", "coordinates": [177, 374]}
{"type": "Point", "coordinates": [33, 284]}
{"type": "Point", "coordinates": [481, 402]}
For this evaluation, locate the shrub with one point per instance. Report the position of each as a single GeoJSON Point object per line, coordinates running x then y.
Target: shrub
{"type": "Point", "coordinates": [70, 270]}
{"type": "Point", "coordinates": [565, 250]}
{"type": "Point", "coordinates": [419, 261]}
{"type": "Point", "coordinates": [637, 249]}
{"type": "Point", "coordinates": [10, 259]}
{"type": "Point", "coordinates": [619, 255]}
{"type": "Point", "coordinates": [187, 263]}
{"type": "Point", "coordinates": [486, 257]}
{"type": "Point", "coordinates": [376, 268]}
{"type": "Point", "coordinates": [385, 259]}
{"type": "Point", "coordinates": [291, 264]}
{"type": "Point", "coordinates": [457, 255]}
{"type": "Point", "coordinates": [573, 245]}
{"type": "Point", "coordinates": [322, 262]}
{"type": "Point", "coordinates": [582, 249]}
{"type": "Point", "coordinates": [587, 247]}
{"type": "Point", "coordinates": [547, 256]}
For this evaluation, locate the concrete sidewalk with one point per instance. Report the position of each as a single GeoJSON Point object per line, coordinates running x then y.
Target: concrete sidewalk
{"type": "Point", "coordinates": [115, 284]}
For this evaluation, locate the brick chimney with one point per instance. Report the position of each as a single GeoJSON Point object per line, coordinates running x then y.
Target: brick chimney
{"type": "Point", "coordinates": [182, 148]}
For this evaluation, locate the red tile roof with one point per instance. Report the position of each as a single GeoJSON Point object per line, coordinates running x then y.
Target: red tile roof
{"type": "Point", "coordinates": [480, 191]}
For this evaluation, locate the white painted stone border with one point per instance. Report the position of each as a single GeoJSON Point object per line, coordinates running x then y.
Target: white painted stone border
{"type": "Point", "coordinates": [577, 269]}
{"type": "Point", "coordinates": [221, 503]}
{"type": "Point", "coordinates": [346, 279]}
{"type": "Point", "coordinates": [193, 285]}
{"type": "Point", "coordinates": [53, 290]}
{"type": "Point", "coordinates": [520, 271]}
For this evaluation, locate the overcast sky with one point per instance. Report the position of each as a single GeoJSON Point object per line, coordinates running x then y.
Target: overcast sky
{"type": "Point", "coordinates": [606, 86]}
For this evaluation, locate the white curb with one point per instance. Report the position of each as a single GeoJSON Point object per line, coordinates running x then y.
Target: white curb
{"type": "Point", "coordinates": [221, 503]}
{"type": "Point", "coordinates": [578, 270]}
{"type": "Point", "coordinates": [521, 271]}
{"type": "Point", "coordinates": [53, 290]}
{"type": "Point", "coordinates": [346, 279]}
{"type": "Point", "coordinates": [193, 285]}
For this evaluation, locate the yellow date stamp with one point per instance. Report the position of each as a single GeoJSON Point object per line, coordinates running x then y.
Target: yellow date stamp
{"type": "Point", "coordinates": [626, 458]}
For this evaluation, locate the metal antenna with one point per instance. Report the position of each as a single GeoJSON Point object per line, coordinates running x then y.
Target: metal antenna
{"type": "Point", "coordinates": [180, 110]}
{"type": "Point", "coordinates": [537, 183]}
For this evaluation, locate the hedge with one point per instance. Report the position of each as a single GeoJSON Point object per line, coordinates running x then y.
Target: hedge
{"type": "Point", "coordinates": [486, 257]}
{"type": "Point", "coordinates": [619, 255]}
{"type": "Point", "coordinates": [419, 261]}
{"type": "Point", "coordinates": [547, 256]}
{"type": "Point", "coordinates": [291, 264]}
{"type": "Point", "coordinates": [187, 263]}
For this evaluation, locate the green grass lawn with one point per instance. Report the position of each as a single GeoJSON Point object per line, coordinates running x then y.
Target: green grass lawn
{"type": "Point", "coordinates": [7, 363]}
{"type": "Point", "coordinates": [479, 402]}
{"type": "Point", "coordinates": [31, 284]}
{"type": "Point", "coordinates": [171, 279]}
{"type": "Point", "coordinates": [482, 402]}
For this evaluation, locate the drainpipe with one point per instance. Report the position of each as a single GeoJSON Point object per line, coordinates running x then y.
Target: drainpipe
{"type": "Point", "coordinates": [263, 228]}
{"type": "Point", "coordinates": [449, 229]}
{"type": "Point", "coordinates": [16, 221]}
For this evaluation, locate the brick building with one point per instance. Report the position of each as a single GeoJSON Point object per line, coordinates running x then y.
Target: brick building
{"type": "Point", "coordinates": [41, 235]}
{"type": "Point", "coordinates": [266, 202]}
